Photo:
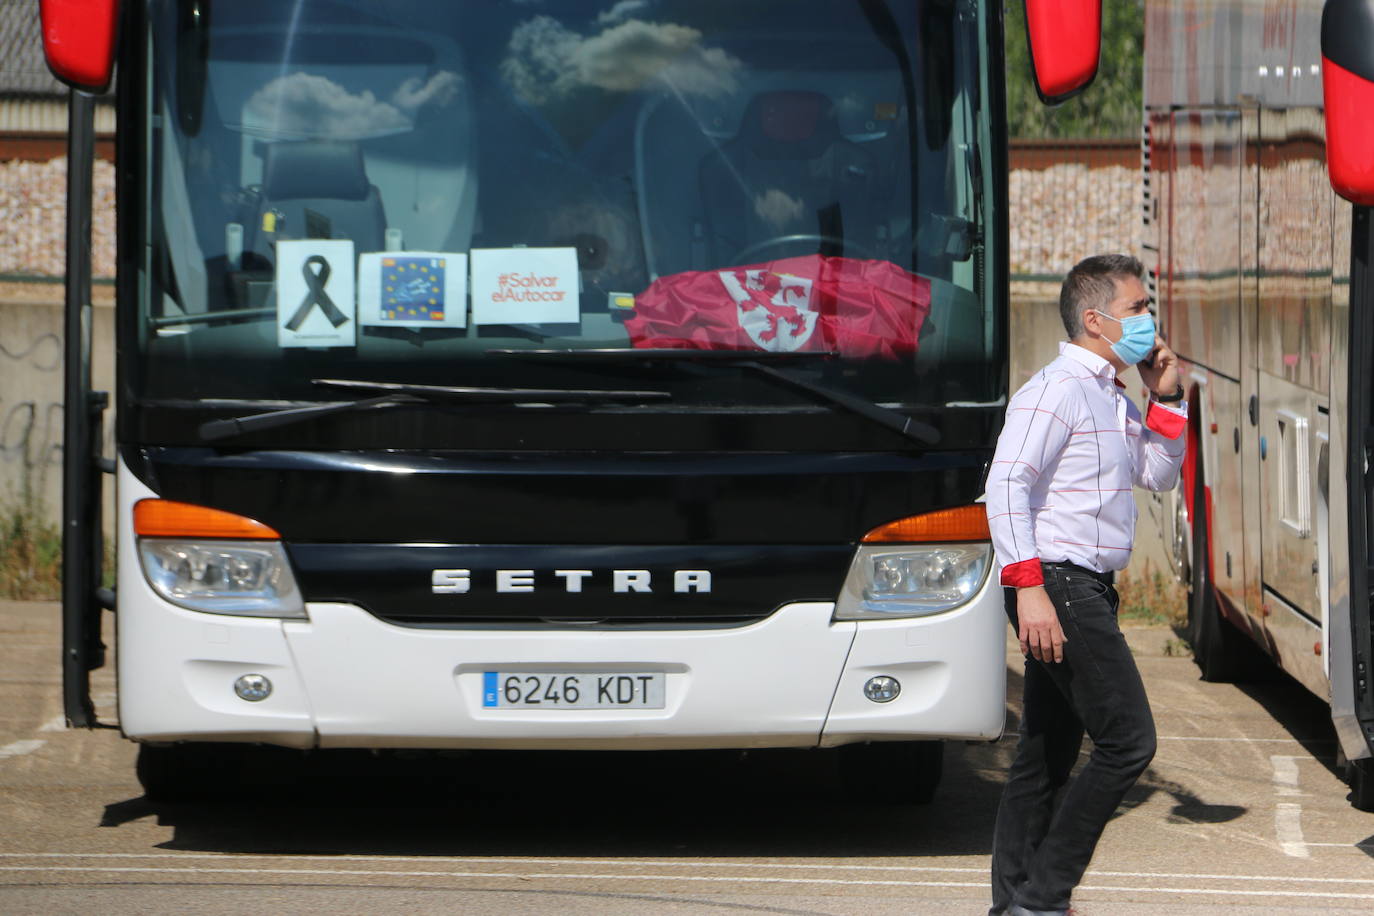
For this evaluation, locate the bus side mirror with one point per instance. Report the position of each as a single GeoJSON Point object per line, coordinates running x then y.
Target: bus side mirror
{"type": "Point", "coordinates": [1348, 87]}
{"type": "Point", "coordinates": [1065, 44]}
{"type": "Point", "coordinates": [78, 41]}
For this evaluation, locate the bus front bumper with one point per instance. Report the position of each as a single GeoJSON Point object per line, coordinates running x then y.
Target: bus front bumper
{"type": "Point", "coordinates": [344, 678]}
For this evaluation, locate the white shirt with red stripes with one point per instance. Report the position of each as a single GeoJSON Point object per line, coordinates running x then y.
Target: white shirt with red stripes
{"type": "Point", "coordinates": [1059, 489]}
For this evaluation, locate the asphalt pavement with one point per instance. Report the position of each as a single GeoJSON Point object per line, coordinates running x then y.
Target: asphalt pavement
{"type": "Point", "coordinates": [1241, 812]}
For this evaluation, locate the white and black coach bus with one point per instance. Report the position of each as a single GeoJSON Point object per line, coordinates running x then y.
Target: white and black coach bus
{"type": "Point", "coordinates": [581, 375]}
{"type": "Point", "coordinates": [1255, 111]}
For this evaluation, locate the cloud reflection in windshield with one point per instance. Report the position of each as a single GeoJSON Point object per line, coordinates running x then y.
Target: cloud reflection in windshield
{"type": "Point", "coordinates": [308, 105]}
{"type": "Point", "coordinates": [547, 61]}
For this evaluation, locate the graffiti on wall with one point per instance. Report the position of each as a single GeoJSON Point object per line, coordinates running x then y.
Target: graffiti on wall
{"type": "Point", "coordinates": [30, 425]}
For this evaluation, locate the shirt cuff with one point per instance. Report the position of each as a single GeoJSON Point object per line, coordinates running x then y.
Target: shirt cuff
{"type": "Point", "coordinates": [1023, 574]}
{"type": "Point", "coordinates": [1169, 422]}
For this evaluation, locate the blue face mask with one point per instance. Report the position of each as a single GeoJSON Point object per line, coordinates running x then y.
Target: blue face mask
{"type": "Point", "coordinates": [1137, 337]}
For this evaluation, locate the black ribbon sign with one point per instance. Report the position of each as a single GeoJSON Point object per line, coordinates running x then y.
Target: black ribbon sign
{"type": "Point", "coordinates": [315, 281]}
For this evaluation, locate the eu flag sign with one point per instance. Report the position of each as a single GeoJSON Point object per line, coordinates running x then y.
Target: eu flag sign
{"type": "Point", "coordinates": [412, 289]}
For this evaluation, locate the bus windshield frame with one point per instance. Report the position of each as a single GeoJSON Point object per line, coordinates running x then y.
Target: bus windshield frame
{"type": "Point", "coordinates": [591, 176]}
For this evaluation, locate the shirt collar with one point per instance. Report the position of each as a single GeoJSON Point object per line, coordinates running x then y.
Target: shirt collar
{"type": "Point", "coordinates": [1090, 360]}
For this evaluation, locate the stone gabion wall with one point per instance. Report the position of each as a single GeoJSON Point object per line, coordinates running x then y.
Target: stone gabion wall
{"type": "Point", "coordinates": [1064, 213]}
{"type": "Point", "coordinates": [33, 206]}
{"type": "Point", "coordinates": [1057, 215]}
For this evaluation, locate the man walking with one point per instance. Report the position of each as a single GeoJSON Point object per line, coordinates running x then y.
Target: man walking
{"type": "Point", "coordinates": [1062, 515]}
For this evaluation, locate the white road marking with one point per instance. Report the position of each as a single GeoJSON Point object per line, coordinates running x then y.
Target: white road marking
{"type": "Point", "coordinates": [1288, 815]}
{"type": "Point", "coordinates": [660, 863]}
{"type": "Point", "coordinates": [1285, 774]}
{"type": "Point", "coordinates": [737, 879]}
{"type": "Point", "coordinates": [1288, 825]}
{"type": "Point", "coordinates": [1238, 739]}
{"type": "Point", "coordinates": [1235, 740]}
{"type": "Point", "coordinates": [19, 748]}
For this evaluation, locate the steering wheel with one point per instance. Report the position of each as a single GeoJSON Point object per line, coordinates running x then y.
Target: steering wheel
{"type": "Point", "coordinates": [751, 252]}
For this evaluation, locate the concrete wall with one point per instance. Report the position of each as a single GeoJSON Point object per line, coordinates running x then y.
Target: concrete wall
{"type": "Point", "coordinates": [31, 368]}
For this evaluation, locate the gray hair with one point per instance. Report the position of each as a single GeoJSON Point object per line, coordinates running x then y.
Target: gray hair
{"type": "Point", "coordinates": [1092, 285]}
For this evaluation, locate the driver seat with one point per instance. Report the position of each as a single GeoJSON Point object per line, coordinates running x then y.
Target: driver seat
{"type": "Point", "coordinates": [317, 189]}
{"type": "Point", "coordinates": [788, 171]}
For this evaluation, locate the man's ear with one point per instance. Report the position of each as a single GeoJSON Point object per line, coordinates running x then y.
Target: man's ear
{"type": "Point", "coordinates": [1092, 322]}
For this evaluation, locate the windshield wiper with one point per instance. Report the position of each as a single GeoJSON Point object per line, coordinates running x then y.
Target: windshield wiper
{"type": "Point", "coordinates": [439, 393]}
{"type": "Point", "coordinates": [894, 420]}
{"type": "Point", "coordinates": [397, 394]}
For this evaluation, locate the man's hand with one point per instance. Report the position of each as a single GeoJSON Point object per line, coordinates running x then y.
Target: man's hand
{"type": "Point", "coordinates": [1159, 372]}
{"type": "Point", "coordinates": [1041, 635]}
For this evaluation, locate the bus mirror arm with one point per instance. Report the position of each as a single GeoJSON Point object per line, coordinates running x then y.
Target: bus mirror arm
{"type": "Point", "coordinates": [82, 530]}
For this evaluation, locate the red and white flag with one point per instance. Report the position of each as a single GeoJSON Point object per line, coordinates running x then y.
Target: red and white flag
{"type": "Point", "coordinates": [810, 303]}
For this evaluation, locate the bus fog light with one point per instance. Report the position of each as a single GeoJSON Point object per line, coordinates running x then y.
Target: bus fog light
{"type": "Point", "coordinates": [882, 689]}
{"type": "Point", "coordinates": [253, 687]}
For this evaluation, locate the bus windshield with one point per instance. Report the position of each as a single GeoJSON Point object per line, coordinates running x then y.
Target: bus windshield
{"type": "Point", "coordinates": [397, 192]}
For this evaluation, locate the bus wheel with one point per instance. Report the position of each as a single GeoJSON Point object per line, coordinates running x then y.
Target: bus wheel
{"type": "Point", "coordinates": [1222, 653]}
{"type": "Point", "coordinates": [904, 772]}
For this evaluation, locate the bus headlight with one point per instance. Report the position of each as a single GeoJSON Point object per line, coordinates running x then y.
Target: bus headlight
{"type": "Point", "coordinates": [891, 580]}
{"type": "Point", "coordinates": [239, 577]}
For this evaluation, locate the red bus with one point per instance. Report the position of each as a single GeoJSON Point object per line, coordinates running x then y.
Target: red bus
{"type": "Point", "coordinates": [1261, 272]}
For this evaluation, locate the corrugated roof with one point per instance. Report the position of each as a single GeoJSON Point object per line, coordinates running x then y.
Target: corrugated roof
{"type": "Point", "coordinates": [22, 68]}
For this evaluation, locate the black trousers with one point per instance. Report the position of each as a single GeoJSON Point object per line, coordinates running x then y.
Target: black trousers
{"type": "Point", "coordinates": [1039, 851]}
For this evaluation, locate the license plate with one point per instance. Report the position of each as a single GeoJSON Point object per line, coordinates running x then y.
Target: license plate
{"type": "Point", "coordinates": [572, 690]}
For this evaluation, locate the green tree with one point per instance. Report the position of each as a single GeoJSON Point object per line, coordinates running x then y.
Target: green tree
{"type": "Point", "coordinates": [1110, 107]}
